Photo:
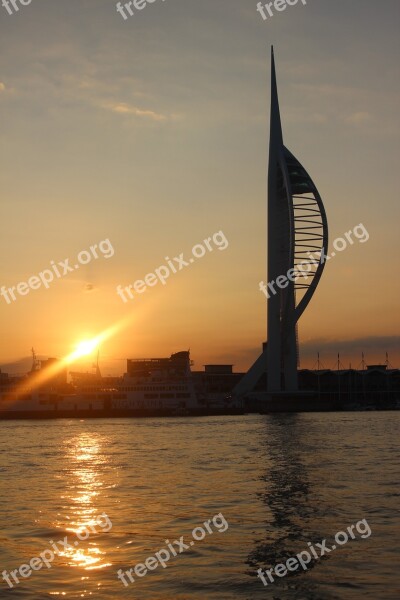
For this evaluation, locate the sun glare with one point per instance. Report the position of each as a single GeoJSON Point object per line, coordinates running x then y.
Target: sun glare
{"type": "Point", "coordinates": [86, 347]}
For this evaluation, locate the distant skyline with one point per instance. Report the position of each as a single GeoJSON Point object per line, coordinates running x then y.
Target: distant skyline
{"type": "Point", "coordinates": [153, 133]}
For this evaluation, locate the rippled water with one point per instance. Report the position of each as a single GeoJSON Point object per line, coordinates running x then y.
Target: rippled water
{"type": "Point", "coordinates": [280, 481]}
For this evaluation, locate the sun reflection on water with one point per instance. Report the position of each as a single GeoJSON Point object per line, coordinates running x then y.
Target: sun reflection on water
{"type": "Point", "coordinates": [84, 465]}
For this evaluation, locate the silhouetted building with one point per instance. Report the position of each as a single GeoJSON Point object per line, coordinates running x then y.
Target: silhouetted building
{"type": "Point", "coordinates": [178, 365]}
{"type": "Point", "coordinates": [215, 380]}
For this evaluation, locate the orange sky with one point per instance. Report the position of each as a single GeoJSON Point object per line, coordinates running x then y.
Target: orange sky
{"type": "Point", "coordinates": [154, 135]}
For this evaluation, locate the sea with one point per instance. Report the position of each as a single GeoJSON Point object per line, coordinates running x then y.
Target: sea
{"type": "Point", "coordinates": [224, 497]}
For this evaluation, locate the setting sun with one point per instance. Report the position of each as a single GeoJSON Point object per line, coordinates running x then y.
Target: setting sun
{"type": "Point", "coordinates": [86, 347]}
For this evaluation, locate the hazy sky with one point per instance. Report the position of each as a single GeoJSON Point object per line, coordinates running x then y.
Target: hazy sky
{"type": "Point", "coordinates": [153, 133]}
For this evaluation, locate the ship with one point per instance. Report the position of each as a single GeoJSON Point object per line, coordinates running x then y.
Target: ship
{"type": "Point", "coordinates": [150, 387]}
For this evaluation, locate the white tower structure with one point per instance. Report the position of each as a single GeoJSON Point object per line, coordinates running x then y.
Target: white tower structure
{"type": "Point", "coordinates": [297, 245]}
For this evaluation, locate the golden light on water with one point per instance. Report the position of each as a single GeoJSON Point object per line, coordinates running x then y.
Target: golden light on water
{"type": "Point", "coordinates": [84, 465]}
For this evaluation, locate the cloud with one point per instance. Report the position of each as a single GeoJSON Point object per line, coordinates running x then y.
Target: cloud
{"type": "Point", "coordinates": [328, 90]}
{"type": "Point", "coordinates": [358, 118]}
{"type": "Point", "coordinates": [373, 346]}
{"type": "Point", "coordinates": [123, 108]}
{"type": "Point", "coordinates": [342, 104]}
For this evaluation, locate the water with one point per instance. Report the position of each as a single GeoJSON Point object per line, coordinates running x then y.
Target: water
{"type": "Point", "coordinates": [280, 481]}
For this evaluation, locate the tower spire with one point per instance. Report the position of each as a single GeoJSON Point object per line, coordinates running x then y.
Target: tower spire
{"type": "Point", "coordinates": [275, 125]}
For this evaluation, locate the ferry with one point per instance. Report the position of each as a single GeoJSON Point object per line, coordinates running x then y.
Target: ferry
{"type": "Point", "coordinates": [150, 387]}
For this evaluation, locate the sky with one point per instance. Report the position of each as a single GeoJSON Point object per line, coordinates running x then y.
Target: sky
{"type": "Point", "coordinates": [152, 133]}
